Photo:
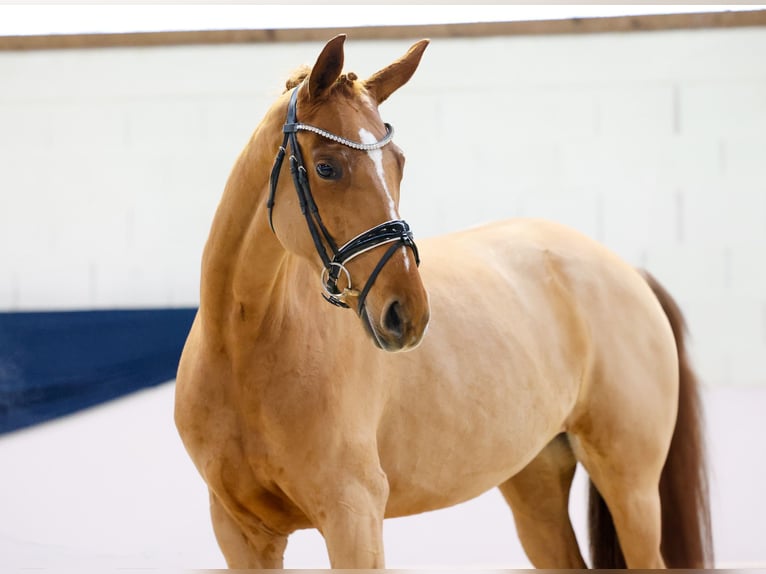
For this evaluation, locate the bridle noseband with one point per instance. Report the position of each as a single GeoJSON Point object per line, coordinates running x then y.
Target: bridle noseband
{"type": "Point", "coordinates": [396, 232]}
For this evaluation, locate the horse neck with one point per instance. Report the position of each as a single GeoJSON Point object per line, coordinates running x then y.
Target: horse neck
{"type": "Point", "coordinates": [245, 269]}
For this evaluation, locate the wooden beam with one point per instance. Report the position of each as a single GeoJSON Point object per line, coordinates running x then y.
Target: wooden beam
{"type": "Point", "coordinates": [617, 24]}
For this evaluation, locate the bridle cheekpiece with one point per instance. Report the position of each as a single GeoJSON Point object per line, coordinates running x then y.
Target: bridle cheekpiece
{"type": "Point", "coordinates": [395, 232]}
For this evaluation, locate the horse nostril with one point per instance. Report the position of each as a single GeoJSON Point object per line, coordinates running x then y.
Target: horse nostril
{"type": "Point", "coordinates": [392, 320]}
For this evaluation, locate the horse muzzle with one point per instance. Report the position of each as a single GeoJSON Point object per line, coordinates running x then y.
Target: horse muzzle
{"type": "Point", "coordinates": [397, 327]}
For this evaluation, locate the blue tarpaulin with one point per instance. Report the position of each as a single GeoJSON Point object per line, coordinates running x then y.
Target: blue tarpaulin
{"type": "Point", "coordinates": [56, 363]}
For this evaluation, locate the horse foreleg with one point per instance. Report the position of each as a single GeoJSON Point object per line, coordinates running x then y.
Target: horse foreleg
{"type": "Point", "coordinates": [539, 499]}
{"type": "Point", "coordinates": [242, 547]}
{"type": "Point", "coordinates": [351, 521]}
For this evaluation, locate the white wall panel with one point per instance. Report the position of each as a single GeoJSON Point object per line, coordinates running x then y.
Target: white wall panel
{"type": "Point", "coordinates": [112, 161]}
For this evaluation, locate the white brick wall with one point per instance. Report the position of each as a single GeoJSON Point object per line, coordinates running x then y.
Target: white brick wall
{"type": "Point", "coordinates": [112, 161]}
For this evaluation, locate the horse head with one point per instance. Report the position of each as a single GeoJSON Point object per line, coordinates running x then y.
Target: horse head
{"type": "Point", "coordinates": [334, 195]}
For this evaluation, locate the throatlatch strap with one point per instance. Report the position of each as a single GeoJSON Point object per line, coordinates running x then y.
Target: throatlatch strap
{"type": "Point", "coordinates": [273, 179]}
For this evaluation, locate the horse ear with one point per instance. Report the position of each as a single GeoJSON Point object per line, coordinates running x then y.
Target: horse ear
{"type": "Point", "coordinates": [328, 67]}
{"type": "Point", "coordinates": [385, 82]}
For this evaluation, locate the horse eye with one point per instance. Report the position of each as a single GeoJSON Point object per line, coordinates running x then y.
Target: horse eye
{"type": "Point", "coordinates": [326, 171]}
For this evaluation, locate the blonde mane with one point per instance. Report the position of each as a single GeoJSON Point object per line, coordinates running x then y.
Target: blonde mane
{"type": "Point", "coordinates": [296, 77]}
{"type": "Point", "coordinates": [346, 81]}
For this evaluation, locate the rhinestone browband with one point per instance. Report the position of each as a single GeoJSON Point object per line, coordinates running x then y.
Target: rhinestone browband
{"type": "Point", "coordinates": [352, 144]}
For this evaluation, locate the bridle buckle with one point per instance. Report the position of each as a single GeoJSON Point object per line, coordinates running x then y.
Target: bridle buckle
{"type": "Point", "coordinates": [330, 285]}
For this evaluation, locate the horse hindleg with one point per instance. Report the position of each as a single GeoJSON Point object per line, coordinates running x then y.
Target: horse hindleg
{"type": "Point", "coordinates": [632, 500]}
{"type": "Point", "coordinates": [624, 455]}
{"type": "Point", "coordinates": [539, 498]}
{"type": "Point", "coordinates": [245, 549]}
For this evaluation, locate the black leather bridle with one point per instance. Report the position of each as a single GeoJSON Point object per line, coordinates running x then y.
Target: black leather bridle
{"type": "Point", "coordinates": [396, 232]}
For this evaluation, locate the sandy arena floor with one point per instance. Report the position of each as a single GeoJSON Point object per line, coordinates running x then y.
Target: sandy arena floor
{"type": "Point", "coordinates": [113, 488]}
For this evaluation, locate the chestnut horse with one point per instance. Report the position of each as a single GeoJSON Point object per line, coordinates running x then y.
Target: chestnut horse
{"type": "Point", "coordinates": [529, 348]}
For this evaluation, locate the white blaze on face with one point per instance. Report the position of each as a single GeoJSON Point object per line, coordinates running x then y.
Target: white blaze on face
{"type": "Point", "coordinates": [376, 155]}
